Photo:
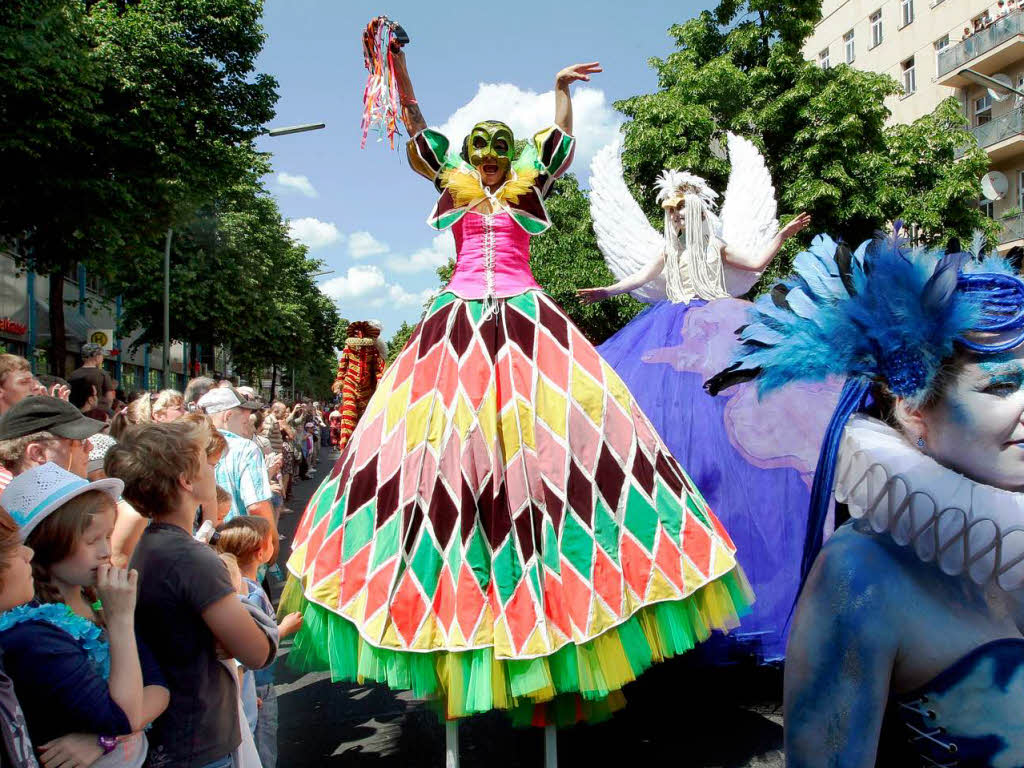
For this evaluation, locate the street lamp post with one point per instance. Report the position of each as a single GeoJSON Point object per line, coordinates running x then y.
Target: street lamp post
{"type": "Point", "coordinates": [167, 310]}
{"type": "Point", "coordinates": [288, 130]}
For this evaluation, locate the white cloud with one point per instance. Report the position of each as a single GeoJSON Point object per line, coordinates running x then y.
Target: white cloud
{"type": "Point", "coordinates": [300, 184]}
{"type": "Point", "coordinates": [595, 122]}
{"type": "Point", "coordinates": [313, 232]}
{"type": "Point", "coordinates": [365, 285]}
{"type": "Point", "coordinates": [440, 250]}
{"type": "Point", "coordinates": [363, 244]}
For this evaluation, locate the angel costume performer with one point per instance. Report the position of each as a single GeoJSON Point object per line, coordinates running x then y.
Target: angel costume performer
{"type": "Point", "coordinates": [752, 460]}
{"type": "Point", "coordinates": [505, 529]}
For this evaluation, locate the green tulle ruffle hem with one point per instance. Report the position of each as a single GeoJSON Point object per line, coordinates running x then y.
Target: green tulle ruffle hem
{"type": "Point", "coordinates": [576, 682]}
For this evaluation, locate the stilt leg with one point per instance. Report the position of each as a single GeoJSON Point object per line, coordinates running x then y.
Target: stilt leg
{"type": "Point", "coordinates": [550, 746]}
{"type": "Point", "coordinates": [451, 744]}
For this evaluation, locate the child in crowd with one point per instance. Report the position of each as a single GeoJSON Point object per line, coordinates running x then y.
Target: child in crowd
{"type": "Point", "coordinates": [78, 668]}
{"type": "Point", "coordinates": [250, 539]}
{"type": "Point", "coordinates": [223, 504]}
{"type": "Point", "coordinates": [16, 588]}
{"type": "Point", "coordinates": [187, 606]}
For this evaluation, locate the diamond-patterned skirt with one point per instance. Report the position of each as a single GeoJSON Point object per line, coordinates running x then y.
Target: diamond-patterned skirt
{"type": "Point", "coordinates": [505, 525]}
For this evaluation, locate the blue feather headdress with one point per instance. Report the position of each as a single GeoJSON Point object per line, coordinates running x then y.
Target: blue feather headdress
{"type": "Point", "coordinates": [884, 314]}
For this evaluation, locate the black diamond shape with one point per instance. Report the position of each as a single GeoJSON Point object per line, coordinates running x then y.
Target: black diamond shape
{"type": "Point", "coordinates": [551, 319]}
{"type": "Point", "coordinates": [387, 499]}
{"type": "Point", "coordinates": [520, 330]}
{"type": "Point", "coordinates": [609, 477]}
{"type": "Point", "coordinates": [643, 471]}
{"type": "Point", "coordinates": [443, 513]}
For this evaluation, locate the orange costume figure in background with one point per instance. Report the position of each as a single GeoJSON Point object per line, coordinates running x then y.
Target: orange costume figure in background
{"type": "Point", "coordinates": [360, 367]}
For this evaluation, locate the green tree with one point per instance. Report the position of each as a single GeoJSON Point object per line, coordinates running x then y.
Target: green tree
{"type": "Point", "coordinates": [399, 339]}
{"type": "Point", "coordinates": [823, 132]}
{"type": "Point", "coordinates": [341, 332]}
{"type": "Point", "coordinates": [118, 120]}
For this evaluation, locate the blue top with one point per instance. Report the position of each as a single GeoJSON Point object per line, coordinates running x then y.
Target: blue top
{"type": "Point", "coordinates": [258, 597]}
{"type": "Point", "coordinates": [242, 472]}
{"type": "Point", "coordinates": [60, 681]}
{"type": "Point", "coordinates": [968, 716]}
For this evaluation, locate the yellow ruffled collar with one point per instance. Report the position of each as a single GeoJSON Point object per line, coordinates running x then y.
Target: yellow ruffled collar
{"type": "Point", "coordinates": [466, 189]}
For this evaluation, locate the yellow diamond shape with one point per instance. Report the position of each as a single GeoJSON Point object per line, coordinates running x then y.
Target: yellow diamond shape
{"type": "Point", "coordinates": [397, 403]}
{"type": "Point", "coordinates": [588, 394]}
{"type": "Point", "coordinates": [616, 387]}
{"type": "Point", "coordinates": [551, 405]}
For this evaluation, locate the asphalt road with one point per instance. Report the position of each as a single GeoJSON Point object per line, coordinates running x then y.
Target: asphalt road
{"type": "Point", "coordinates": [679, 711]}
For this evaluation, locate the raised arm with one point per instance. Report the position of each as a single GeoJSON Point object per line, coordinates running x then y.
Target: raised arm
{"type": "Point", "coordinates": [411, 114]}
{"type": "Point", "coordinates": [756, 262]}
{"type": "Point", "coordinates": [632, 282]}
{"type": "Point", "coordinates": [563, 102]}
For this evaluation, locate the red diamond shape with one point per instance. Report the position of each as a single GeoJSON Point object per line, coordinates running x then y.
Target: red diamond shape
{"type": "Point", "coordinates": [722, 533]}
{"type": "Point", "coordinates": [553, 361]}
{"type": "Point", "coordinates": [669, 560]}
{"type": "Point", "coordinates": [475, 376]}
{"type": "Point", "coordinates": [407, 608]}
{"type": "Point", "coordinates": [354, 575]}
{"type": "Point", "coordinates": [554, 603]}
{"type": "Point", "coordinates": [326, 558]}
{"type": "Point", "coordinates": [316, 540]}
{"type": "Point", "coordinates": [697, 544]}
{"type": "Point", "coordinates": [405, 365]}
{"type": "Point", "coordinates": [577, 596]}
{"type": "Point", "coordinates": [379, 588]}
{"type": "Point", "coordinates": [521, 615]}
{"type": "Point", "coordinates": [636, 566]}
{"type": "Point", "coordinates": [424, 378]}
{"type": "Point", "coordinates": [583, 352]}
{"type": "Point", "coordinates": [469, 602]}
{"type": "Point", "coordinates": [448, 378]}
{"type": "Point", "coordinates": [608, 581]}
{"type": "Point", "coordinates": [522, 373]}
{"type": "Point", "coordinates": [503, 382]}
{"type": "Point", "coordinates": [444, 599]}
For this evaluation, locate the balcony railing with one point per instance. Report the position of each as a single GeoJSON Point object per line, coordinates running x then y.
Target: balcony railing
{"type": "Point", "coordinates": [1003, 127]}
{"type": "Point", "coordinates": [956, 56]}
{"type": "Point", "coordinates": [1013, 229]}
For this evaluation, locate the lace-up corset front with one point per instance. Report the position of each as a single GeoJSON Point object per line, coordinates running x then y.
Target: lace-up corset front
{"type": "Point", "coordinates": [492, 257]}
{"type": "Point", "coordinates": [969, 716]}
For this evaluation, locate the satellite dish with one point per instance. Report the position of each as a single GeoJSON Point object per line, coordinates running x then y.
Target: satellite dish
{"type": "Point", "coordinates": [998, 94]}
{"type": "Point", "coordinates": [994, 185]}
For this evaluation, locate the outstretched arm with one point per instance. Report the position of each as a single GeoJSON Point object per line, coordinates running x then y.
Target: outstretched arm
{"type": "Point", "coordinates": [626, 284]}
{"type": "Point", "coordinates": [757, 261]}
{"type": "Point", "coordinates": [411, 114]}
{"type": "Point", "coordinates": [563, 102]}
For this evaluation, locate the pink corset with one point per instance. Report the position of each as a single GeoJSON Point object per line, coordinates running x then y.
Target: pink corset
{"type": "Point", "coordinates": [492, 257]}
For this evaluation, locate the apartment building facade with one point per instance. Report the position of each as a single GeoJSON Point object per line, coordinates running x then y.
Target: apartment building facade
{"type": "Point", "coordinates": [925, 45]}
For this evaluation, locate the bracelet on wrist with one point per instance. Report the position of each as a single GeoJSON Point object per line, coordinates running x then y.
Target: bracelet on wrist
{"type": "Point", "coordinates": [107, 743]}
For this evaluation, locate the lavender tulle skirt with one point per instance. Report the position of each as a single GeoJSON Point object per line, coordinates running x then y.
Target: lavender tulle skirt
{"type": "Point", "coordinates": [753, 460]}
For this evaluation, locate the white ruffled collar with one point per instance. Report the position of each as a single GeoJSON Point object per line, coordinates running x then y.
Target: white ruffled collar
{"type": "Point", "coordinates": [963, 525]}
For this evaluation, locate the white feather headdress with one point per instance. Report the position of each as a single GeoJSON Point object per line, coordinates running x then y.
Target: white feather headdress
{"type": "Point", "coordinates": [673, 186]}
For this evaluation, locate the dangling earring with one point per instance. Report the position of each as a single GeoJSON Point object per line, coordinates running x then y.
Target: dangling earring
{"type": "Point", "coordinates": [920, 443]}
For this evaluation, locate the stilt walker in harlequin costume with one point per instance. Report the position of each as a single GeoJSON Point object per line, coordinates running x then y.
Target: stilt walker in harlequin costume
{"type": "Point", "coordinates": [360, 368]}
{"type": "Point", "coordinates": [505, 529]}
{"type": "Point", "coordinates": [752, 459]}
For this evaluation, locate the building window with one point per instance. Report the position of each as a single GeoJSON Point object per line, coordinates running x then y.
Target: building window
{"type": "Point", "coordinates": [940, 45]}
{"type": "Point", "coordinates": [876, 28]}
{"type": "Point", "coordinates": [851, 50]}
{"type": "Point", "coordinates": [823, 61]}
{"type": "Point", "coordinates": [909, 76]}
{"type": "Point", "coordinates": [155, 383]}
{"type": "Point", "coordinates": [983, 110]}
{"type": "Point", "coordinates": [987, 207]}
{"type": "Point", "coordinates": [906, 12]}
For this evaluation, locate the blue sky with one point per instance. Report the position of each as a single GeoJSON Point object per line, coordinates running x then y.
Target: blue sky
{"type": "Point", "coordinates": [363, 212]}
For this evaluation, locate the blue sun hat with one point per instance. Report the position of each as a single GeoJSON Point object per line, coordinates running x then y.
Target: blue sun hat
{"type": "Point", "coordinates": [33, 495]}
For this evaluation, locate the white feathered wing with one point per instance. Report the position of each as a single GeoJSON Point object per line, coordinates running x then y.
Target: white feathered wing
{"type": "Point", "coordinates": [748, 214]}
{"type": "Point", "coordinates": [625, 236]}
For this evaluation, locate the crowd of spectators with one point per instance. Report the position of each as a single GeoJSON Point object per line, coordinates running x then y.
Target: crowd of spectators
{"type": "Point", "coordinates": [138, 544]}
{"type": "Point", "coordinates": [1003, 8]}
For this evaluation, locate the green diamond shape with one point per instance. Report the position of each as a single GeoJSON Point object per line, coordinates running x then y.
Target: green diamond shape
{"type": "Point", "coordinates": [426, 564]}
{"type": "Point", "coordinates": [508, 570]}
{"type": "Point", "coordinates": [454, 556]}
{"type": "Point", "coordinates": [385, 543]}
{"type": "Point", "coordinates": [606, 530]}
{"type": "Point", "coordinates": [525, 303]}
{"type": "Point", "coordinates": [551, 558]}
{"type": "Point", "coordinates": [697, 512]}
{"type": "Point", "coordinates": [440, 301]}
{"type": "Point", "coordinates": [325, 498]}
{"type": "Point", "coordinates": [670, 511]}
{"type": "Point", "coordinates": [478, 558]}
{"type": "Point", "coordinates": [641, 519]}
{"type": "Point", "coordinates": [535, 578]}
{"type": "Point", "coordinates": [476, 310]}
{"type": "Point", "coordinates": [577, 545]}
{"type": "Point", "coordinates": [358, 531]}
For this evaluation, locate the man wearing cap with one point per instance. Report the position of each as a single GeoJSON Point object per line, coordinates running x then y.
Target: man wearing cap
{"type": "Point", "coordinates": [39, 429]}
{"type": "Point", "coordinates": [92, 371]}
{"type": "Point", "coordinates": [241, 471]}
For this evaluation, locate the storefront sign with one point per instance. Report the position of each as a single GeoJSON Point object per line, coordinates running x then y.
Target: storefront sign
{"type": "Point", "coordinates": [11, 327]}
